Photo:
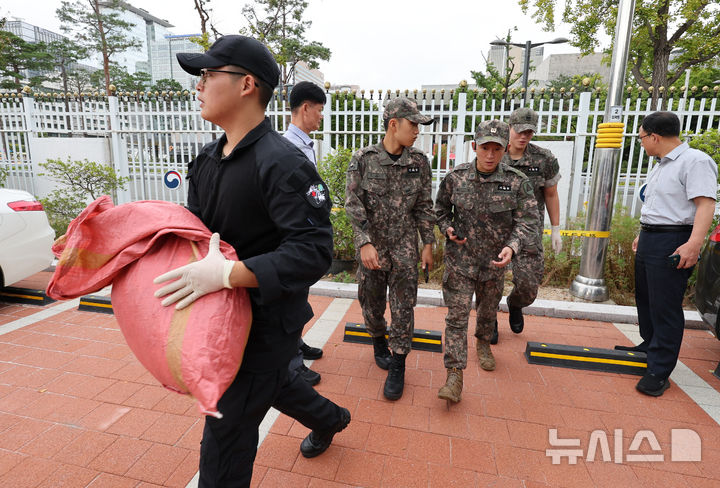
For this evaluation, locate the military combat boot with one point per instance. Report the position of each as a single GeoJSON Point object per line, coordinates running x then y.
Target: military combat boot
{"type": "Point", "coordinates": [517, 322]}
{"type": "Point", "coordinates": [485, 356]}
{"type": "Point", "coordinates": [395, 382]}
{"type": "Point", "coordinates": [453, 385]}
{"type": "Point", "coordinates": [381, 351]}
{"type": "Point", "coordinates": [494, 338]}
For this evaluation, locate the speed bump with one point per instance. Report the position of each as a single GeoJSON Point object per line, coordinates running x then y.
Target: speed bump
{"type": "Point", "coordinates": [24, 295]}
{"type": "Point", "coordinates": [95, 303]}
{"type": "Point", "coordinates": [589, 358]}
{"type": "Point", "coordinates": [423, 340]}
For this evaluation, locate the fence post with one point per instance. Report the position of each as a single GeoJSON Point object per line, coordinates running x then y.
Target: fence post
{"type": "Point", "coordinates": [460, 129]}
{"type": "Point", "coordinates": [579, 152]}
{"type": "Point", "coordinates": [325, 147]}
{"type": "Point", "coordinates": [30, 134]}
{"type": "Point", "coordinates": [118, 162]}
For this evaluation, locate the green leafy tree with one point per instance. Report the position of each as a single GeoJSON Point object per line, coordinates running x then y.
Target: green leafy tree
{"type": "Point", "coordinates": [567, 82]}
{"type": "Point", "coordinates": [98, 28]}
{"type": "Point", "coordinates": [208, 33]}
{"type": "Point", "coordinates": [166, 84]}
{"type": "Point", "coordinates": [64, 55]}
{"type": "Point", "coordinates": [701, 77]}
{"type": "Point", "coordinates": [80, 183]}
{"type": "Point", "coordinates": [79, 80]}
{"type": "Point", "coordinates": [16, 56]}
{"type": "Point", "coordinates": [280, 26]}
{"type": "Point", "coordinates": [659, 26]}
{"type": "Point", "coordinates": [495, 79]}
{"type": "Point", "coordinates": [123, 81]}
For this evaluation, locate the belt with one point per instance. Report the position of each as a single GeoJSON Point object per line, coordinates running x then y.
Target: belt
{"type": "Point", "coordinates": [665, 228]}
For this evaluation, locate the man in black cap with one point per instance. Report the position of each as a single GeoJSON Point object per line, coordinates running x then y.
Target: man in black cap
{"type": "Point", "coordinates": [258, 191]}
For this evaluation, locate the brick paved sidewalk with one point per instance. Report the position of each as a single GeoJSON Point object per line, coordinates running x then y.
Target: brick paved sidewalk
{"type": "Point", "coordinates": [77, 409]}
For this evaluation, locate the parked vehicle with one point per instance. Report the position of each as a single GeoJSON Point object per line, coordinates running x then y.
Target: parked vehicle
{"type": "Point", "coordinates": [707, 289]}
{"type": "Point", "coordinates": [25, 236]}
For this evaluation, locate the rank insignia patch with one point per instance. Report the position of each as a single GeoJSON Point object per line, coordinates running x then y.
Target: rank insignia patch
{"type": "Point", "coordinates": [504, 187]}
{"type": "Point", "coordinates": [413, 169]}
{"type": "Point", "coordinates": [533, 169]}
{"type": "Point", "coordinates": [316, 194]}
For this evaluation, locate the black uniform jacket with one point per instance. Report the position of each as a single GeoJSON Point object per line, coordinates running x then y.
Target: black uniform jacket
{"type": "Point", "coordinates": [267, 200]}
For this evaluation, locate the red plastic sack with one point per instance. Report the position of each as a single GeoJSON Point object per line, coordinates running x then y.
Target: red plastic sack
{"type": "Point", "coordinates": [197, 350]}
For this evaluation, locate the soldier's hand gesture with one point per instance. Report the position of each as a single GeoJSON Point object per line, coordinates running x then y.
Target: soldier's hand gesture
{"type": "Point", "coordinates": [503, 258]}
{"type": "Point", "coordinates": [369, 256]}
{"type": "Point", "coordinates": [454, 237]}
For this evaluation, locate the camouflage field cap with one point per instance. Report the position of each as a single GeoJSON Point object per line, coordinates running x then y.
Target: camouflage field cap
{"type": "Point", "coordinates": [524, 119]}
{"type": "Point", "coordinates": [492, 131]}
{"type": "Point", "coordinates": [404, 108]}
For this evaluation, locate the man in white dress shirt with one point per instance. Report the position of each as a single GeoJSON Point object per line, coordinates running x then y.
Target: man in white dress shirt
{"type": "Point", "coordinates": [306, 106]}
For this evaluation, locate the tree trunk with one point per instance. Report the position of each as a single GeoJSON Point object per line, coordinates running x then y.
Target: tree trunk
{"type": "Point", "coordinates": [661, 59]}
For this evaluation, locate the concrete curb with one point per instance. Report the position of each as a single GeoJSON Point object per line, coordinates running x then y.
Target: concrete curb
{"type": "Point", "coordinates": [545, 308]}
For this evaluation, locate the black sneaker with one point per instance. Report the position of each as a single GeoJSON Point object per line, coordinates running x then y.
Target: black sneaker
{"type": "Point", "coordinates": [652, 385]}
{"type": "Point", "coordinates": [310, 352]}
{"type": "Point", "coordinates": [494, 338]}
{"type": "Point", "coordinates": [517, 322]}
{"type": "Point", "coordinates": [308, 375]}
{"type": "Point", "coordinates": [317, 443]}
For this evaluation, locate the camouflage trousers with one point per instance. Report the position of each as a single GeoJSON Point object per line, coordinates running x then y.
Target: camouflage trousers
{"type": "Point", "coordinates": [458, 293]}
{"type": "Point", "coordinates": [372, 286]}
{"type": "Point", "coordinates": [527, 270]}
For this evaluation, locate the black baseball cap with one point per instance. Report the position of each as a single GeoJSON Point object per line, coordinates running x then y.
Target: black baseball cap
{"type": "Point", "coordinates": [236, 50]}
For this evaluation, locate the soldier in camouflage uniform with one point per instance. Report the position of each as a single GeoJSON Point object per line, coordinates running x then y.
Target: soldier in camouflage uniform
{"type": "Point", "coordinates": [488, 213]}
{"type": "Point", "coordinates": [541, 167]}
{"type": "Point", "coordinates": [388, 201]}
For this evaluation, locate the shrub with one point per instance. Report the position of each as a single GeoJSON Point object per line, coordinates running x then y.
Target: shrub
{"type": "Point", "coordinates": [333, 171]}
{"type": "Point", "coordinates": [81, 182]}
{"type": "Point", "coordinates": [343, 245]}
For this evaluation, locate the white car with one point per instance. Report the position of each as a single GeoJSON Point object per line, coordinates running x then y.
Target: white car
{"type": "Point", "coordinates": [25, 236]}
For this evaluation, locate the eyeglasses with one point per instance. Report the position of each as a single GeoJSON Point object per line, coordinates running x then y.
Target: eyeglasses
{"type": "Point", "coordinates": [204, 74]}
{"type": "Point", "coordinates": [646, 135]}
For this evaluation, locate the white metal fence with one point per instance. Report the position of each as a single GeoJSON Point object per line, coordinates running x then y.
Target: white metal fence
{"type": "Point", "coordinates": [151, 140]}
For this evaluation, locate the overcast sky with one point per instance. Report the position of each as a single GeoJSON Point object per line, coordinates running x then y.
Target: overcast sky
{"type": "Point", "coordinates": [378, 44]}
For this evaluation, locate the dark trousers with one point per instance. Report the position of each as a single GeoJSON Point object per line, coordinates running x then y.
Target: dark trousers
{"type": "Point", "coordinates": [229, 445]}
{"type": "Point", "coordinates": [659, 291]}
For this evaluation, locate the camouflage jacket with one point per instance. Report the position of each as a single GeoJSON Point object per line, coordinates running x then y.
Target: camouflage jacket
{"type": "Point", "coordinates": [388, 202]}
{"type": "Point", "coordinates": [541, 166]}
{"type": "Point", "coordinates": [492, 212]}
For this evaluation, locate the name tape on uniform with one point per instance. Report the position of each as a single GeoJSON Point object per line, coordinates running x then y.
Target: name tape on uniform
{"type": "Point", "coordinates": [581, 233]}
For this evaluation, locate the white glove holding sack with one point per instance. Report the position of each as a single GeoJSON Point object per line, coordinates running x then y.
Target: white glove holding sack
{"type": "Point", "coordinates": [210, 274]}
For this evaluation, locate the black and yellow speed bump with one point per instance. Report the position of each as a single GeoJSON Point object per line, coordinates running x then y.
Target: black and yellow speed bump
{"type": "Point", "coordinates": [589, 358]}
{"type": "Point", "coordinates": [423, 340]}
{"type": "Point", "coordinates": [24, 295]}
{"type": "Point", "coordinates": [95, 303]}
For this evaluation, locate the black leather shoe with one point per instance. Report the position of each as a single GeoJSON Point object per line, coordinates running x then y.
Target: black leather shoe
{"type": "Point", "coordinates": [308, 375]}
{"type": "Point", "coordinates": [310, 352]}
{"type": "Point", "coordinates": [642, 347]}
{"type": "Point", "coordinates": [317, 443]}
{"type": "Point", "coordinates": [517, 322]}
{"type": "Point", "coordinates": [652, 385]}
{"type": "Point", "coordinates": [381, 352]}
{"type": "Point", "coordinates": [395, 382]}
{"type": "Point", "coordinates": [494, 338]}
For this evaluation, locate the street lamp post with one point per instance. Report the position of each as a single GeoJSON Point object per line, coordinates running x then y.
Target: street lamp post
{"type": "Point", "coordinates": [528, 45]}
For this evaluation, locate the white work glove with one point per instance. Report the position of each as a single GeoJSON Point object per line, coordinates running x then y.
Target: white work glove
{"type": "Point", "coordinates": [210, 274]}
{"type": "Point", "coordinates": [555, 238]}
